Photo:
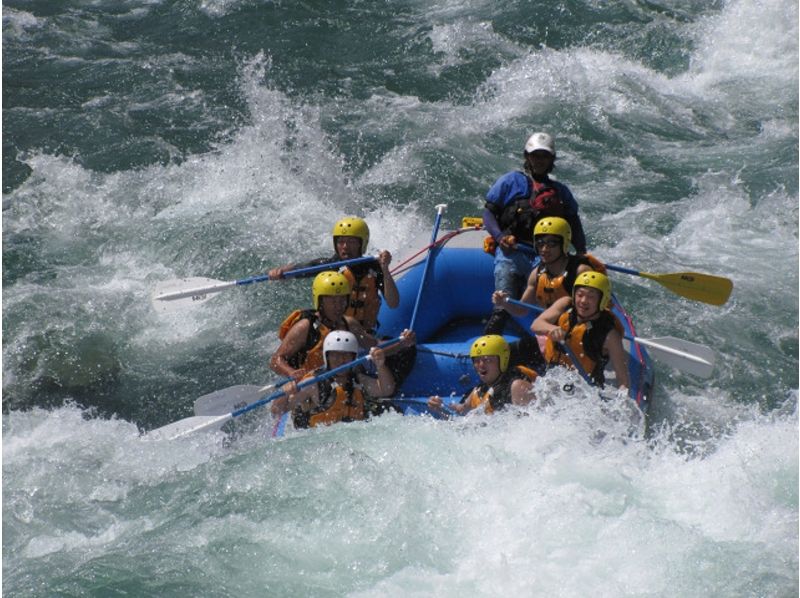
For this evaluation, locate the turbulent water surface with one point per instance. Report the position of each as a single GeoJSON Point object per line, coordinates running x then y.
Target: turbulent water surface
{"type": "Point", "coordinates": [146, 140]}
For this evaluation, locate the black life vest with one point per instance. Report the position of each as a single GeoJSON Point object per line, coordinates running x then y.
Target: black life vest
{"type": "Point", "coordinates": [522, 213]}
{"type": "Point", "coordinates": [497, 395]}
{"type": "Point", "coordinates": [585, 340]}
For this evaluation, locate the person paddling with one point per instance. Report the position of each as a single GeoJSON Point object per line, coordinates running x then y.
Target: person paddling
{"type": "Point", "coordinates": [557, 270]}
{"type": "Point", "coordinates": [303, 332]}
{"type": "Point", "coordinates": [368, 282]}
{"type": "Point", "coordinates": [585, 326]}
{"type": "Point", "coordinates": [500, 385]}
{"type": "Point", "coordinates": [514, 204]}
{"type": "Point", "coordinates": [345, 397]}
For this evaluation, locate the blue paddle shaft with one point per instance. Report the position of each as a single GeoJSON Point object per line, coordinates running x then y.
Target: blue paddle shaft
{"type": "Point", "coordinates": [623, 270]}
{"type": "Point", "coordinates": [310, 381]}
{"type": "Point", "coordinates": [530, 250]}
{"type": "Point", "coordinates": [565, 347]}
{"type": "Point", "coordinates": [439, 210]}
{"type": "Point", "coordinates": [529, 306]}
{"type": "Point", "coordinates": [309, 269]}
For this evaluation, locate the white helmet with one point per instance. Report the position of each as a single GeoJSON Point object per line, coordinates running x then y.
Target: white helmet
{"type": "Point", "coordinates": [540, 141]}
{"type": "Point", "coordinates": [339, 340]}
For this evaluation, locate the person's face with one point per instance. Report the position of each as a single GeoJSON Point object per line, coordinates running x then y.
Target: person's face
{"type": "Point", "coordinates": [487, 367]}
{"type": "Point", "coordinates": [339, 358]}
{"type": "Point", "coordinates": [549, 247]}
{"type": "Point", "coordinates": [540, 162]}
{"type": "Point", "coordinates": [333, 307]}
{"type": "Point", "coordinates": [587, 301]}
{"type": "Point", "coordinates": [348, 247]}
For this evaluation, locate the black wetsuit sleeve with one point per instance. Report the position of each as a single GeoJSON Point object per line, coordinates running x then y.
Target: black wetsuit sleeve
{"type": "Point", "coordinates": [578, 236]}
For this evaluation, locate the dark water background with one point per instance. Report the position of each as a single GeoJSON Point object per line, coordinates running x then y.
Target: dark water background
{"type": "Point", "coordinates": [145, 141]}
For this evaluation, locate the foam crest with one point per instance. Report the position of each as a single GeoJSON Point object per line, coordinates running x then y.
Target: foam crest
{"type": "Point", "coordinates": [746, 488]}
{"type": "Point", "coordinates": [17, 23]}
{"type": "Point", "coordinates": [756, 40]}
{"type": "Point", "coordinates": [450, 506]}
{"type": "Point", "coordinates": [453, 42]}
{"type": "Point", "coordinates": [267, 197]}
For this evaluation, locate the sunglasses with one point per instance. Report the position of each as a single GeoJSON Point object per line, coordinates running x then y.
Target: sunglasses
{"type": "Point", "coordinates": [551, 243]}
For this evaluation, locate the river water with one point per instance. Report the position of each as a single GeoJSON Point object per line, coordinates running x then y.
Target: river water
{"type": "Point", "coordinates": [146, 140]}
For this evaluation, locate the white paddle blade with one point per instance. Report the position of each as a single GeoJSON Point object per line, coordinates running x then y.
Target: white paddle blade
{"type": "Point", "coordinates": [173, 295]}
{"type": "Point", "coordinates": [229, 399]}
{"type": "Point", "coordinates": [187, 426]}
{"type": "Point", "coordinates": [686, 356]}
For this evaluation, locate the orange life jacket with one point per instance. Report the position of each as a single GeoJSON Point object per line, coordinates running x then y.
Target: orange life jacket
{"type": "Point", "coordinates": [585, 340]}
{"type": "Point", "coordinates": [365, 301]}
{"type": "Point", "coordinates": [551, 288]}
{"type": "Point", "coordinates": [498, 395]}
{"type": "Point", "coordinates": [338, 403]}
{"type": "Point", "coordinates": [309, 357]}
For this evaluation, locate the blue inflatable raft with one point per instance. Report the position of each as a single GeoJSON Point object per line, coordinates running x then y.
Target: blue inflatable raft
{"type": "Point", "coordinates": [454, 306]}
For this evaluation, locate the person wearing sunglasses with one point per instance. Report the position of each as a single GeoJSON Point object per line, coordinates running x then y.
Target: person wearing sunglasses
{"type": "Point", "coordinates": [555, 275]}
{"type": "Point", "coordinates": [514, 204]}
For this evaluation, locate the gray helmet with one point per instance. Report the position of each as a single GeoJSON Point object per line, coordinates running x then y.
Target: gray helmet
{"type": "Point", "coordinates": [339, 340]}
{"type": "Point", "coordinates": [540, 141]}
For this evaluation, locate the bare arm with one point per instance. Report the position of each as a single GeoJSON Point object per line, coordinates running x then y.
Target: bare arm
{"type": "Point", "coordinates": [291, 344]}
{"type": "Point", "coordinates": [435, 403]}
{"type": "Point", "coordinates": [522, 392]}
{"type": "Point", "coordinates": [305, 398]}
{"type": "Point", "coordinates": [365, 339]}
{"type": "Point", "coordinates": [408, 339]}
{"type": "Point", "coordinates": [500, 298]}
{"type": "Point", "coordinates": [277, 273]}
{"type": "Point", "coordinates": [390, 293]}
{"type": "Point", "coordinates": [616, 353]}
{"type": "Point", "coordinates": [546, 322]}
{"type": "Point", "coordinates": [383, 385]}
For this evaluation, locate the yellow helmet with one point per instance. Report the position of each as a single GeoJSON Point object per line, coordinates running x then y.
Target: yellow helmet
{"type": "Point", "coordinates": [492, 344]}
{"type": "Point", "coordinates": [553, 225]}
{"type": "Point", "coordinates": [594, 280]}
{"type": "Point", "coordinates": [352, 227]}
{"type": "Point", "coordinates": [329, 283]}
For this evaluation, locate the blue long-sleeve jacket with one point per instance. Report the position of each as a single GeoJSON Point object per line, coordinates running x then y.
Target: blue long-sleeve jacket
{"type": "Point", "coordinates": [515, 185]}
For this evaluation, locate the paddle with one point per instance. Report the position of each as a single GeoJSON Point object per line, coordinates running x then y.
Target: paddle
{"type": "Point", "coordinates": [197, 423]}
{"type": "Point", "coordinates": [440, 208]}
{"type": "Point", "coordinates": [229, 399]}
{"type": "Point", "coordinates": [280, 425]}
{"type": "Point", "coordinates": [705, 288]}
{"type": "Point", "coordinates": [686, 356]}
{"type": "Point", "coordinates": [175, 294]}
{"type": "Point", "coordinates": [696, 286]}
{"type": "Point", "coordinates": [576, 363]}
{"type": "Point", "coordinates": [226, 400]}
{"type": "Point", "coordinates": [691, 358]}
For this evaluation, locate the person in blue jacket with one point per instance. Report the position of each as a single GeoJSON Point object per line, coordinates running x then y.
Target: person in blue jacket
{"type": "Point", "coordinates": [514, 204]}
